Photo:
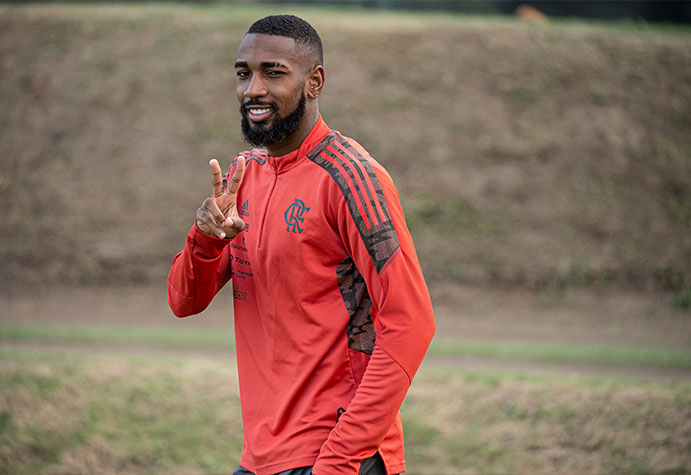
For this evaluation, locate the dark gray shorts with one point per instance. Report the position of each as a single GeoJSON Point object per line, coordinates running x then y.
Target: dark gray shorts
{"type": "Point", "coordinates": [373, 465]}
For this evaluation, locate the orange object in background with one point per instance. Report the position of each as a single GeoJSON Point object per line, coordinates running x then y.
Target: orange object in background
{"type": "Point", "coordinates": [531, 14]}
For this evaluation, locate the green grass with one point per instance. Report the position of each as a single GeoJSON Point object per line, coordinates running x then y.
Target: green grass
{"type": "Point", "coordinates": [67, 412]}
{"type": "Point", "coordinates": [540, 352]}
{"type": "Point", "coordinates": [566, 353]}
{"type": "Point", "coordinates": [498, 422]}
{"type": "Point", "coordinates": [143, 415]}
{"type": "Point", "coordinates": [90, 334]}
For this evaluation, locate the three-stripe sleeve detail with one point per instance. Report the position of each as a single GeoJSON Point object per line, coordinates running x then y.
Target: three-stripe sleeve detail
{"type": "Point", "coordinates": [363, 193]}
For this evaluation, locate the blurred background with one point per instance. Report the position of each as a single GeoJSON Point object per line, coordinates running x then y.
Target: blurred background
{"type": "Point", "coordinates": [542, 151]}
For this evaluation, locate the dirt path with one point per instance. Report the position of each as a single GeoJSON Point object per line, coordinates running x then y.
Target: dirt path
{"type": "Point", "coordinates": [613, 317]}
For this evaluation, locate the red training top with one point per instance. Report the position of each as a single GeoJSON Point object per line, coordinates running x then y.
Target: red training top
{"type": "Point", "coordinates": [332, 314]}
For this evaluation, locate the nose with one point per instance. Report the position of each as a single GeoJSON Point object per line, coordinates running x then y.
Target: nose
{"type": "Point", "coordinates": [255, 88]}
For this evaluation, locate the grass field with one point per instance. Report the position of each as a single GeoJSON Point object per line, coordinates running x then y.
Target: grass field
{"type": "Point", "coordinates": [208, 339]}
{"type": "Point", "coordinates": [107, 380]}
{"type": "Point", "coordinates": [113, 412]}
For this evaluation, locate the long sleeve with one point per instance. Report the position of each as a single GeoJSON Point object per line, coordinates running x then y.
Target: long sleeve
{"type": "Point", "coordinates": [200, 270]}
{"type": "Point", "coordinates": [378, 241]}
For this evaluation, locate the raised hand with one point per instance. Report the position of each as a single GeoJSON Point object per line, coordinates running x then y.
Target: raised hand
{"type": "Point", "coordinates": [218, 214]}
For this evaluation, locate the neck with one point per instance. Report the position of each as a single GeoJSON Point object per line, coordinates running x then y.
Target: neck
{"type": "Point", "coordinates": [298, 136]}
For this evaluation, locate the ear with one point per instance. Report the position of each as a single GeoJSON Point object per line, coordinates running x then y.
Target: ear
{"type": "Point", "coordinates": [315, 82]}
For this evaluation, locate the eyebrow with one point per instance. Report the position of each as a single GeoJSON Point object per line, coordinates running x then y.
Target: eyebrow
{"type": "Point", "coordinates": [263, 64]}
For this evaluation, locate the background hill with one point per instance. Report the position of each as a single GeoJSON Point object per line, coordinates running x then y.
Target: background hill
{"type": "Point", "coordinates": [525, 155]}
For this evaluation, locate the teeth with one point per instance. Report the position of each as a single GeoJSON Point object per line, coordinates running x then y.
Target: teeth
{"type": "Point", "coordinates": [259, 111]}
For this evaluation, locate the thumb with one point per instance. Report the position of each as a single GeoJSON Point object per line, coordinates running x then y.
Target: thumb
{"type": "Point", "coordinates": [235, 223]}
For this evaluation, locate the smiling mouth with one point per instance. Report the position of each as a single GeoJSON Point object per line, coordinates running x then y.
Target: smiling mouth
{"type": "Point", "coordinates": [258, 114]}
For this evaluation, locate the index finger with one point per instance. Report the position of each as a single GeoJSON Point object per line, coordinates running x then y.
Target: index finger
{"type": "Point", "coordinates": [239, 172]}
{"type": "Point", "coordinates": [216, 177]}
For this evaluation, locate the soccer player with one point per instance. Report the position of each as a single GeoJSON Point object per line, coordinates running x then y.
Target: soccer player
{"type": "Point", "coordinates": [332, 315]}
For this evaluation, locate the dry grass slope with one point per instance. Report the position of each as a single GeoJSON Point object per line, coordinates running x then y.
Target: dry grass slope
{"type": "Point", "coordinates": [524, 155]}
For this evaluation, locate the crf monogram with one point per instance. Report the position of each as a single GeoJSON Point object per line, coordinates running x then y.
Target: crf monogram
{"type": "Point", "coordinates": [294, 217]}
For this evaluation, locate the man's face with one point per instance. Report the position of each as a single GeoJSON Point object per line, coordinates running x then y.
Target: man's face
{"type": "Point", "coordinates": [265, 133]}
{"type": "Point", "coordinates": [270, 88]}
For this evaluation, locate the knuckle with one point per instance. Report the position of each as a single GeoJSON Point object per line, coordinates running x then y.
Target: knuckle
{"type": "Point", "coordinates": [238, 223]}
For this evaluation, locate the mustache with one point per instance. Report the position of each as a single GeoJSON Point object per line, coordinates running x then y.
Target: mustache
{"type": "Point", "coordinates": [255, 102]}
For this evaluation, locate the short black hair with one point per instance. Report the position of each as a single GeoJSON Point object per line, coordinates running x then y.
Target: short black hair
{"type": "Point", "coordinates": [292, 27]}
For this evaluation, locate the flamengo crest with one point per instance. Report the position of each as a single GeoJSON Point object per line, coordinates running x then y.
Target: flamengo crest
{"type": "Point", "coordinates": [293, 216]}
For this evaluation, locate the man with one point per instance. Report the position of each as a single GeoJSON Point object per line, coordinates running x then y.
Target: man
{"type": "Point", "coordinates": [332, 315]}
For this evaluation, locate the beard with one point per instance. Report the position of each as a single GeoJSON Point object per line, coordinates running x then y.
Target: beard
{"type": "Point", "coordinates": [260, 135]}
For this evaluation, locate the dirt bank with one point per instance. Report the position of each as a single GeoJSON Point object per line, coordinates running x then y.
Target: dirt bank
{"type": "Point", "coordinates": [530, 155]}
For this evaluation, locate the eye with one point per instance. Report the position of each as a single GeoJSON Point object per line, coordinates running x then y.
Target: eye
{"type": "Point", "coordinates": [274, 74]}
{"type": "Point", "coordinates": [241, 74]}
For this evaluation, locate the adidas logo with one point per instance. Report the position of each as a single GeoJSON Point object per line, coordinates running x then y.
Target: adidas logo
{"type": "Point", "coordinates": [245, 209]}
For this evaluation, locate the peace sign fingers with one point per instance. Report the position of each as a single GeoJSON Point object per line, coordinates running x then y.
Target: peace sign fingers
{"type": "Point", "coordinates": [236, 179]}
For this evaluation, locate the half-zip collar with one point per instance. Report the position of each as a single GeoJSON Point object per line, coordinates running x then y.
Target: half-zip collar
{"type": "Point", "coordinates": [289, 160]}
